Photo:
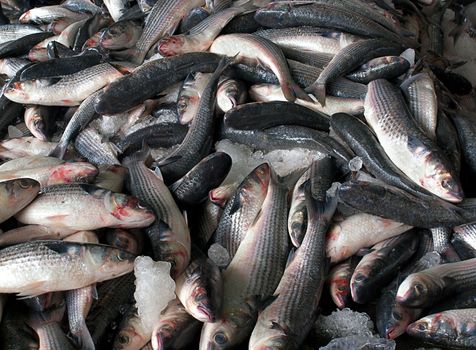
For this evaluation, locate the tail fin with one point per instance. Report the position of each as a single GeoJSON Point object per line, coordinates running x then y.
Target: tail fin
{"type": "Point", "coordinates": [59, 151]}
{"type": "Point", "coordinates": [318, 89]}
{"type": "Point", "coordinates": [292, 91]}
{"type": "Point", "coordinates": [39, 319]}
{"type": "Point", "coordinates": [140, 156]}
{"type": "Point", "coordinates": [85, 341]}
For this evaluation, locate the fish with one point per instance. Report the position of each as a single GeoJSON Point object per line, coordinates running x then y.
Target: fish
{"type": "Point", "coordinates": [78, 302]}
{"type": "Point", "coordinates": [242, 208]}
{"type": "Point", "coordinates": [358, 231]}
{"type": "Point", "coordinates": [464, 240]}
{"type": "Point", "coordinates": [121, 35]}
{"type": "Point", "coordinates": [24, 147]}
{"type": "Point", "coordinates": [257, 50]}
{"type": "Point", "coordinates": [170, 235]}
{"type": "Point", "coordinates": [189, 97]}
{"type": "Point", "coordinates": [32, 232]}
{"type": "Point", "coordinates": [194, 187]}
{"type": "Point", "coordinates": [16, 195]}
{"type": "Point", "coordinates": [54, 175]}
{"type": "Point", "coordinates": [419, 91]}
{"type": "Point", "coordinates": [349, 58]}
{"type": "Point", "coordinates": [241, 281]}
{"type": "Point", "coordinates": [46, 324]}
{"type": "Point", "coordinates": [339, 282]}
{"type": "Point", "coordinates": [163, 19]}
{"type": "Point", "coordinates": [200, 288]}
{"type": "Point", "coordinates": [85, 207]}
{"type": "Point", "coordinates": [386, 67]}
{"type": "Point", "coordinates": [285, 322]}
{"type": "Point", "coordinates": [132, 333]}
{"type": "Point", "coordinates": [406, 145]}
{"type": "Point", "coordinates": [230, 93]}
{"type": "Point", "coordinates": [152, 78]}
{"type": "Point", "coordinates": [176, 328]}
{"type": "Point", "coordinates": [427, 287]}
{"type": "Point", "coordinates": [378, 267]}
{"type": "Point", "coordinates": [454, 328]}
{"type": "Point", "coordinates": [59, 265]}
{"type": "Point", "coordinates": [69, 90]}
{"type": "Point", "coordinates": [297, 217]}
{"type": "Point", "coordinates": [200, 37]}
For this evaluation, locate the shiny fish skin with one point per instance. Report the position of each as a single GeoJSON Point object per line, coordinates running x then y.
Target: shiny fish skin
{"type": "Point", "coordinates": [70, 90]}
{"type": "Point", "coordinates": [242, 281]}
{"type": "Point", "coordinates": [230, 94]}
{"type": "Point", "coordinates": [425, 288]}
{"type": "Point", "coordinates": [152, 78]}
{"type": "Point", "coordinates": [78, 303]}
{"type": "Point", "coordinates": [378, 267]}
{"type": "Point", "coordinates": [241, 209]}
{"type": "Point", "coordinates": [387, 67]}
{"type": "Point", "coordinates": [163, 18]}
{"type": "Point", "coordinates": [286, 321]}
{"type": "Point", "coordinates": [349, 58]}
{"type": "Point", "coordinates": [359, 231]}
{"type": "Point", "coordinates": [35, 268]}
{"type": "Point", "coordinates": [420, 94]}
{"type": "Point", "coordinates": [453, 328]}
{"type": "Point", "coordinates": [89, 144]}
{"type": "Point", "coordinates": [297, 217]}
{"type": "Point", "coordinates": [170, 235]}
{"type": "Point", "coordinates": [85, 207]}
{"type": "Point", "coordinates": [339, 282]}
{"type": "Point", "coordinates": [189, 96]}
{"type": "Point", "coordinates": [464, 240]}
{"type": "Point", "coordinates": [32, 232]}
{"type": "Point", "coordinates": [254, 49]}
{"type": "Point", "coordinates": [411, 151]}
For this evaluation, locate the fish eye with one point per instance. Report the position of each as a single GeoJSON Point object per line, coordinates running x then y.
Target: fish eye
{"type": "Point", "coordinates": [445, 184]}
{"type": "Point", "coordinates": [123, 339]}
{"type": "Point", "coordinates": [396, 316]}
{"type": "Point", "coordinates": [24, 183]}
{"type": "Point", "coordinates": [419, 289]}
{"type": "Point", "coordinates": [220, 338]}
{"type": "Point", "coordinates": [422, 327]}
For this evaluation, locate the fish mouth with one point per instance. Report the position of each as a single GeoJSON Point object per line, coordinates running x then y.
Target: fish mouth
{"type": "Point", "coordinates": [454, 196]}
{"type": "Point", "coordinates": [393, 332]}
{"type": "Point", "coordinates": [206, 314]}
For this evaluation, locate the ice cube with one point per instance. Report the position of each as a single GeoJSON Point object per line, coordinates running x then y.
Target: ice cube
{"type": "Point", "coordinates": [355, 164]}
{"type": "Point", "coordinates": [219, 255]}
{"type": "Point", "coordinates": [343, 323]}
{"type": "Point", "coordinates": [284, 162]}
{"type": "Point", "coordinates": [360, 342]}
{"type": "Point", "coordinates": [154, 289]}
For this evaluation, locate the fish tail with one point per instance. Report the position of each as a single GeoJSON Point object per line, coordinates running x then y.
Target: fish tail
{"type": "Point", "coordinates": [318, 89]}
{"type": "Point", "coordinates": [38, 319]}
{"type": "Point", "coordinates": [292, 91]}
{"type": "Point", "coordinates": [140, 156]}
{"type": "Point", "coordinates": [59, 151]}
{"type": "Point", "coordinates": [85, 341]}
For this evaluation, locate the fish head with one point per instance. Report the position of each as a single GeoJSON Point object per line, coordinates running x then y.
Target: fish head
{"type": "Point", "coordinates": [128, 211]}
{"type": "Point", "coordinates": [164, 334]}
{"type": "Point", "coordinates": [398, 321]}
{"type": "Point", "coordinates": [441, 181]}
{"type": "Point", "coordinates": [271, 335]}
{"type": "Point", "coordinates": [419, 289]}
{"type": "Point", "coordinates": [107, 262]}
{"type": "Point", "coordinates": [26, 17]}
{"type": "Point", "coordinates": [72, 173]}
{"type": "Point", "coordinates": [171, 46]}
{"type": "Point", "coordinates": [434, 326]}
{"type": "Point", "coordinates": [229, 94]}
{"type": "Point", "coordinates": [35, 123]}
{"type": "Point", "coordinates": [340, 291]}
{"type": "Point", "coordinates": [130, 337]}
{"type": "Point", "coordinates": [115, 36]}
{"type": "Point", "coordinates": [20, 190]}
{"type": "Point", "coordinates": [186, 106]}
{"type": "Point", "coordinates": [227, 332]}
{"type": "Point", "coordinates": [122, 239]}
{"type": "Point", "coordinates": [206, 293]}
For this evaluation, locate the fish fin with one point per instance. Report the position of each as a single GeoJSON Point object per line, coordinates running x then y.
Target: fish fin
{"type": "Point", "coordinates": [59, 151]}
{"type": "Point", "coordinates": [236, 204]}
{"type": "Point", "coordinates": [318, 89]}
{"type": "Point", "coordinates": [267, 302]}
{"type": "Point", "coordinates": [185, 216]}
{"type": "Point", "coordinates": [14, 132]}
{"type": "Point", "coordinates": [140, 156]}
{"type": "Point", "coordinates": [94, 291]}
{"type": "Point", "coordinates": [292, 91]}
{"type": "Point", "coordinates": [291, 255]}
{"type": "Point", "coordinates": [364, 251]}
{"type": "Point", "coordinates": [33, 290]}
{"type": "Point", "coordinates": [318, 209]}
{"type": "Point", "coordinates": [158, 173]}
{"type": "Point", "coordinates": [169, 160]}
{"type": "Point", "coordinates": [283, 329]}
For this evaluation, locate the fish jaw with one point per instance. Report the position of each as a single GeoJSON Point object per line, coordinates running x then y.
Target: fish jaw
{"type": "Point", "coordinates": [171, 46]}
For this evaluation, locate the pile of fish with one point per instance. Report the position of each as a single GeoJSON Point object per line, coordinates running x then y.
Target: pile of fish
{"type": "Point", "coordinates": [129, 220]}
